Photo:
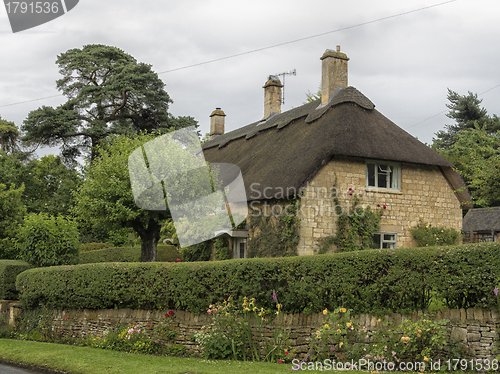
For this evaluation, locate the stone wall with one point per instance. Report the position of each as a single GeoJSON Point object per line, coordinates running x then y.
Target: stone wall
{"type": "Point", "coordinates": [424, 194]}
{"type": "Point", "coordinates": [476, 328]}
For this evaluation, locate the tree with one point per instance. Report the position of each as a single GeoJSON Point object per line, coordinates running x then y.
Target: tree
{"type": "Point", "coordinates": [468, 114]}
{"type": "Point", "coordinates": [476, 155]}
{"type": "Point", "coordinates": [108, 92]}
{"type": "Point", "coordinates": [105, 197]}
{"type": "Point", "coordinates": [12, 211]}
{"type": "Point", "coordinates": [48, 183]}
{"type": "Point", "coordinates": [9, 136]}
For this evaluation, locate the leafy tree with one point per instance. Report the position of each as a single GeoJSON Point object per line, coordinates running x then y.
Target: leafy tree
{"type": "Point", "coordinates": [9, 136]}
{"type": "Point", "coordinates": [311, 96]}
{"type": "Point", "coordinates": [468, 114]}
{"type": "Point", "coordinates": [476, 155]}
{"type": "Point", "coordinates": [105, 197]}
{"type": "Point", "coordinates": [108, 92]}
{"type": "Point", "coordinates": [48, 182]}
{"type": "Point", "coordinates": [48, 241]}
{"type": "Point", "coordinates": [12, 211]}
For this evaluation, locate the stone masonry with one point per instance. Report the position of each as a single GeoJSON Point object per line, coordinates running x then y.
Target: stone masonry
{"type": "Point", "coordinates": [424, 194]}
{"type": "Point", "coordinates": [476, 328]}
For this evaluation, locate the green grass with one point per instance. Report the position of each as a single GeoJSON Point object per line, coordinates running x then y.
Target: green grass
{"type": "Point", "coordinates": [85, 360]}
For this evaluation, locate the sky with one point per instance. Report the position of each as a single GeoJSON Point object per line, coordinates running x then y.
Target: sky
{"type": "Point", "coordinates": [404, 55]}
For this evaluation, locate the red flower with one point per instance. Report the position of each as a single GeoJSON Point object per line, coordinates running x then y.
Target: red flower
{"type": "Point", "coordinates": [166, 314]}
{"type": "Point", "coordinates": [179, 260]}
{"type": "Point", "coordinates": [286, 352]}
{"type": "Point", "coordinates": [171, 313]}
{"type": "Point", "coordinates": [384, 207]}
{"type": "Point", "coordinates": [148, 325]}
{"type": "Point", "coordinates": [280, 361]}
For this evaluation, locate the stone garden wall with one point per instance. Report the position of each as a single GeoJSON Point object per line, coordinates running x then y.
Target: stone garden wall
{"type": "Point", "coordinates": [475, 327]}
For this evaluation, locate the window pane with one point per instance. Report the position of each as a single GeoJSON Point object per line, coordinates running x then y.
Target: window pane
{"type": "Point", "coordinates": [242, 250]}
{"type": "Point", "coordinates": [376, 241]}
{"type": "Point", "coordinates": [371, 174]}
{"type": "Point", "coordinates": [389, 237]}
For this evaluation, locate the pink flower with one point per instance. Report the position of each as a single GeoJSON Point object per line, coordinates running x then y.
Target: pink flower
{"type": "Point", "coordinates": [209, 311]}
{"type": "Point", "coordinates": [495, 291]}
{"type": "Point", "coordinates": [156, 341]}
{"type": "Point", "coordinates": [280, 361]}
{"type": "Point", "coordinates": [148, 325]}
{"type": "Point", "coordinates": [274, 296]}
{"type": "Point", "coordinates": [178, 260]}
{"type": "Point", "coordinates": [384, 207]}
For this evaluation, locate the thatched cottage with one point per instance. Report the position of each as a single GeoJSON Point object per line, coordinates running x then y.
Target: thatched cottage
{"type": "Point", "coordinates": [339, 143]}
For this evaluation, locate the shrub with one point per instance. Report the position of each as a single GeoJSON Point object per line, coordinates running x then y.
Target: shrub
{"type": "Point", "coordinates": [47, 240]}
{"type": "Point", "coordinates": [369, 281]}
{"type": "Point", "coordinates": [86, 247]}
{"type": "Point", "coordinates": [9, 269]}
{"type": "Point", "coordinates": [165, 253]}
{"type": "Point", "coordinates": [427, 235]}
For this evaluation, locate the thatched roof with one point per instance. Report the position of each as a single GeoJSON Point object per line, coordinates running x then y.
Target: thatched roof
{"type": "Point", "coordinates": [287, 150]}
{"type": "Point", "coordinates": [482, 219]}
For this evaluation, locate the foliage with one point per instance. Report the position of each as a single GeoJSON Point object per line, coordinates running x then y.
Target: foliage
{"type": "Point", "coordinates": [370, 281]}
{"type": "Point", "coordinates": [340, 339]}
{"type": "Point", "coordinates": [467, 113]}
{"type": "Point", "coordinates": [222, 251]}
{"type": "Point", "coordinates": [476, 155]}
{"type": "Point", "coordinates": [87, 247]}
{"type": "Point", "coordinates": [35, 324]}
{"type": "Point", "coordinates": [9, 136]}
{"type": "Point", "coordinates": [9, 269]}
{"type": "Point", "coordinates": [231, 335]}
{"type": "Point", "coordinates": [273, 233]}
{"type": "Point", "coordinates": [48, 183]}
{"type": "Point", "coordinates": [426, 235]}
{"type": "Point", "coordinates": [165, 253]}
{"type": "Point", "coordinates": [356, 225]}
{"type": "Point", "coordinates": [45, 240]}
{"type": "Point", "coordinates": [312, 96]}
{"type": "Point", "coordinates": [12, 211]}
{"type": "Point", "coordinates": [154, 338]}
{"type": "Point", "coordinates": [105, 198]}
{"type": "Point", "coordinates": [108, 92]}
{"type": "Point", "coordinates": [197, 252]}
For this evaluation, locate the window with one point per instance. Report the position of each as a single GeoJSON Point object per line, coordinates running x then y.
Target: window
{"type": "Point", "coordinates": [385, 240]}
{"type": "Point", "coordinates": [383, 175]}
{"type": "Point", "coordinates": [240, 246]}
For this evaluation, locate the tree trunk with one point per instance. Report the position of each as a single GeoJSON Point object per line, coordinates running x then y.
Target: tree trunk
{"type": "Point", "coordinates": [150, 238]}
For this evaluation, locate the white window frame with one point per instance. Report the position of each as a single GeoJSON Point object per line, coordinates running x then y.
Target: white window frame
{"type": "Point", "coordinates": [383, 241]}
{"type": "Point", "coordinates": [394, 168]}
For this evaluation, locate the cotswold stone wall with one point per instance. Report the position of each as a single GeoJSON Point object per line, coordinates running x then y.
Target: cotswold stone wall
{"type": "Point", "coordinates": [424, 193]}
{"type": "Point", "coordinates": [476, 328]}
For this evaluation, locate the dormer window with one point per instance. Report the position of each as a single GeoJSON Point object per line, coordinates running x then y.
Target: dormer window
{"type": "Point", "coordinates": [383, 175]}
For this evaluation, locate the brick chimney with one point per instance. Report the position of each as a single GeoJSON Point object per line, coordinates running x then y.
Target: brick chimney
{"type": "Point", "coordinates": [272, 96]}
{"type": "Point", "coordinates": [333, 73]}
{"type": "Point", "coordinates": [217, 123]}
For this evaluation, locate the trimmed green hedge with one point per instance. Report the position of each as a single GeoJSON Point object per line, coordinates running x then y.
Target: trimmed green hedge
{"type": "Point", "coordinates": [165, 253]}
{"type": "Point", "coordinates": [369, 281]}
{"type": "Point", "coordinates": [9, 269]}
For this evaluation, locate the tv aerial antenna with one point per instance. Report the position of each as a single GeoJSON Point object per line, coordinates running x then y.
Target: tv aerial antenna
{"type": "Point", "coordinates": [291, 72]}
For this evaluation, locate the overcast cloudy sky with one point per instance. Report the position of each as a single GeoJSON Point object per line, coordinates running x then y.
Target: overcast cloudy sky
{"type": "Point", "coordinates": [404, 63]}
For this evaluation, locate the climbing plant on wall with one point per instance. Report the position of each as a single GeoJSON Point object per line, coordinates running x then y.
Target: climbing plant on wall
{"type": "Point", "coordinates": [274, 230]}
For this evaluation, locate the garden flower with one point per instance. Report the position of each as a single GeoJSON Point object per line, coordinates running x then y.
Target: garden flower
{"type": "Point", "coordinates": [341, 344]}
{"type": "Point", "coordinates": [178, 260]}
{"type": "Point", "coordinates": [343, 310]}
{"type": "Point", "coordinates": [171, 313]}
{"type": "Point", "coordinates": [326, 310]}
{"type": "Point", "coordinates": [495, 291]}
{"type": "Point", "coordinates": [349, 324]}
{"type": "Point", "coordinates": [274, 297]}
{"type": "Point", "coordinates": [425, 358]}
{"type": "Point", "coordinates": [280, 361]}
{"type": "Point", "coordinates": [405, 339]}
{"type": "Point", "coordinates": [148, 325]}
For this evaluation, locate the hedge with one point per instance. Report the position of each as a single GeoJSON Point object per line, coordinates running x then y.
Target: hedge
{"type": "Point", "coordinates": [9, 269]}
{"type": "Point", "coordinates": [165, 253]}
{"type": "Point", "coordinates": [369, 281]}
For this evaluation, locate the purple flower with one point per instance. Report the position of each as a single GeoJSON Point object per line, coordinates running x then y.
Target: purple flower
{"type": "Point", "coordinates": [495, 291]}
{"type": "Point", "coordinates": [274, 296]}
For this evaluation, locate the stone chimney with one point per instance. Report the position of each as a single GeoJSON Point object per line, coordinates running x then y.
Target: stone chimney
{"type": "Point", "coordinates": [217, 123]}
{"type": "Point", "coordinates": [272, 96]}
{"type": "Point", "coordinates": [333, 73]}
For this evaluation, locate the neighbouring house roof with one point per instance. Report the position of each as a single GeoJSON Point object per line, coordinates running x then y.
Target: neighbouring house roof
{"type": "Point", "coordinates": [482, 219]}
{"type": "Point", "coordinates": [287, 150]}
